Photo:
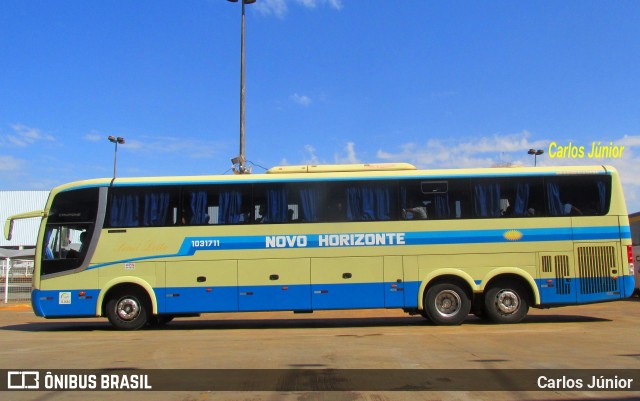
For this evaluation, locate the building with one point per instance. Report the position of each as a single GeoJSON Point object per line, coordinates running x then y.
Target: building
{"type": "Point", "coordinates": [17, 255]}
{"type": "Point", "coordinates": [25, 232]}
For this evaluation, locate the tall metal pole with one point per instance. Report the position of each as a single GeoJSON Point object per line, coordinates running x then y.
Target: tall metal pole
{"type": "Point", "coordinates": [242, 167]}
{"type": "Point", "coordinates": [118, 140]}
{"type": "Point", "coordinates": [115, 159]}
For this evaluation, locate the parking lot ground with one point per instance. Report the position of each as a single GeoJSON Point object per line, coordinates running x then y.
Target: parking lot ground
{"type": "Point", "coordinates": [600, 337]}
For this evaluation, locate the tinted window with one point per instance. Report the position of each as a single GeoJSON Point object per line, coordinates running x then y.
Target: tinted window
{"type": "Point", "coordinates": [435, 199]}
{"type": "Point", "coordinates": [75, 206]}
{"type": "Point", "coordinates": [142, 207]}
{"type": "Point", "coordinates": [69, 230]}
{"type": "Point", "coordinates": [580, 195]}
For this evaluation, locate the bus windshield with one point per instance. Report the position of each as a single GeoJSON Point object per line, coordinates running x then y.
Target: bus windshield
{"type": "Point", "coordinates": [69, 226]}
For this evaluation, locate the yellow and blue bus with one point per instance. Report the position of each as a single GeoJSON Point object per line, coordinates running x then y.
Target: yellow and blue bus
{"type": "Point", "coordinates": [442, 243]}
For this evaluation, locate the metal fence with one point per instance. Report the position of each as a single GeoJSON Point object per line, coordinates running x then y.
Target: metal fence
{"type": "Point", "coordinates": [16, 275]}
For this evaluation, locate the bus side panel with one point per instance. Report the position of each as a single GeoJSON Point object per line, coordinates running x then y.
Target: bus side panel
{"type": "Point", "coordinates": [201, 286]}
{"type": "Point", "coordinates": [347, 283]}
{"type": "Point", "coordinates": [394, 284]}
{"type": "Point", "coordinates": [557, 278]}
{"type": "Point", "coordinates": [412, 281]}
{"type": "Point", "coordinates": [274, 284]}
{"type": "Point", "coordinates": [70, 295]}
{"type": "Point", "coordinates": [597, 254]}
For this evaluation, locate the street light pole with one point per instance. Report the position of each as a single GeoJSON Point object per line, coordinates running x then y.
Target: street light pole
{"type": "Point", "coordinates": [118, 140]}
{"type": "Point", "coordinates": [535, 154]}
{"type": "Point", "coordinates": [241, 159]}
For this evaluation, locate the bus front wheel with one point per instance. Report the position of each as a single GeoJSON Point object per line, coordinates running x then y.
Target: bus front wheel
{"type": "Point", "coordinates": [447, 304]}
{"type": "Point", "coordinates": [127, 310]}
{"type": "Point", "coordinates": [506, 302]}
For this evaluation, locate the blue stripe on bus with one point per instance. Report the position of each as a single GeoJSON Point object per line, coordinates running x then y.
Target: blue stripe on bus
{"type": "Point", "coordinates": [191, 245]}
{"type": "Point", "coordinates": [177, 300]}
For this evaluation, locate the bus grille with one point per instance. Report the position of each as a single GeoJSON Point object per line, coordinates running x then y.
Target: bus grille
{"type": "Point", "coordinates": [594, 265]}
{"type": "Point", "coordinates": [546, 264]}
{"type": "Point", "coordinates": [563, 286]}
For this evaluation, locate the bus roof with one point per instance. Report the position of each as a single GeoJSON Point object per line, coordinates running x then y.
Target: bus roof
{"type": "Point", "coordinates": [339, 172]}
{"type": "Point", "coordinates": [340, 168]}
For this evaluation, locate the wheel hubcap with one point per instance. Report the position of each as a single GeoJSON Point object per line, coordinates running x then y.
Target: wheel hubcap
{"type": "Point", "coordinates": [507, 301]}
{"type": "Point", "coordinates": [448, 303]}
{"type": "Point", "coordinates": [128, 309]}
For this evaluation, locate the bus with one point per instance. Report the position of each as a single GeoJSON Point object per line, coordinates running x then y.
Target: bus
{"type": "Point", "coordinates": [445, 244]}
{"type": "Point", "coordinates": [634, 223]}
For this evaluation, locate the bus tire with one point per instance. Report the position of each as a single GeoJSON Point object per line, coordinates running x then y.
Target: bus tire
{"type": "Point", "coordinates": [128, 310]}
{"type": "Point", "coordinates": [506, 302]}
{"type": "Point", "coordinates": [447, 304]}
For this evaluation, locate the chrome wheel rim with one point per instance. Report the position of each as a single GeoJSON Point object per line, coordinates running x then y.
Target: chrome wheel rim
{"type": "Point", "coordinates": [507, 302]}
{"type": "Point", "coordinates": [128, 309]}
{"type": "Point", "coordinates": [448, 303]}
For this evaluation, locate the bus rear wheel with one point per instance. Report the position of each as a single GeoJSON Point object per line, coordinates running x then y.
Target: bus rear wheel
{"type": "Point", "coordinates": [128, 310]}
{"type": "Point", "coordinates": [447, 304]}
{"type": "Point", "coordinates": [506, 302]}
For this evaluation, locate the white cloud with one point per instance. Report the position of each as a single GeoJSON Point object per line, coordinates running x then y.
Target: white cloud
{"type": "Point", "coordinates": [276, 8]}
{"type": "Point", "coordinates": [350, 155]}
{"type": "Point", "coordinates": [191, 148]}
{"type": "Point", "coordinates": [10, 163]}
{"type": "Point", "coordinates": [25, 136]}
{"type": "Point", "coordinates": [279, 8]}
{"type": "Point", "coordinates": [312, 157]}
{"type": "Point", "coordinates": [94, 136]}
{"type": "Point", "coordinates": [335, 4]}
{"type": "Point", "coordinates": [302, 100]}
{"type": "Point", "coordinates": [476, 152]}
{"type": "Point", "coordinates": [512, 149]}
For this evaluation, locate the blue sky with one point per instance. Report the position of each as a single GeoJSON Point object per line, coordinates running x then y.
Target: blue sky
{"type": "Point", "coordinates": [436, 84]}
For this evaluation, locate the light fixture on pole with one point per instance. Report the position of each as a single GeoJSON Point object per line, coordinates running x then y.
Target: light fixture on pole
{"type": "Point", "coordinates": [116, 140]}
{"type": "Point", "coordinates": [240, 159]}
{"type": "Point", "coordinates": [535, 153]}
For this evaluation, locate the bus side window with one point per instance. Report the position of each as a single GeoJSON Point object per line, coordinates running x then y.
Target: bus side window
{"type": "Point", "coordinates": [234, 205]}
{"type": "Point", "coordinates": [148, 207]}
{"type": "Point", "coordinates": [195, 208]}
{"type": "Point", "coordinates": [366, 201]}
{"type": "Point", "coordinates": [578, 195]}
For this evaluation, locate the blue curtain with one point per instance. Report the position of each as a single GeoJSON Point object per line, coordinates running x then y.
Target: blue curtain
{"type": "Point", "coordinates": [156, 206]}
{"type": "Point", "coordinates": [365, 204]}
{"type": "Point", "coordinates": [230, 208]}
{"type": "Point", "coordinates": [441, 203]}
{"type": "Point", "coordinates": [198, 207]}
{"type": "Point", "coordinates": [277, 209]}
{"type": "Point", "coordinates": [554, 203]}
{"type": "Point", "coordinates": [521, 203]}
{"type": "Point", "coordinates": [310, 201]}
{"type": "Point", "coordinates": [383, 203]}
{"type": "Point", "coordinates": [125, 210]}
{"type": "Point", "coordinates": [602, 197]}
{"type": "Point", "coordinates": [354, 205]}
{"type": "Point", "coordinates": [403, 197]}
{"type": "Point", "coordinates": [487, 200]}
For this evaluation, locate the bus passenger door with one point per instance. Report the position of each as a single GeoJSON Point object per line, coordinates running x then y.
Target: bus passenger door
{"type": "Point", "coordinates": [557, 279]}
{"type": "Point", "coordinates": [393, 282]}
{"type": "Point", "coordinates": [347, 283]}
{"type": "Point", "coordinates": [274, 284]}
